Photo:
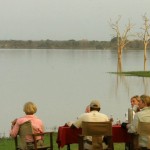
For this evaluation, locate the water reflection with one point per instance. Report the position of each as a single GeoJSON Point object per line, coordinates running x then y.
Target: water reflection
{"type": "Point", "coordinates": [121, 79]}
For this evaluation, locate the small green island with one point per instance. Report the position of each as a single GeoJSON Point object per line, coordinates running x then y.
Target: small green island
{"type": "Point", "coordinates": [133, 73]}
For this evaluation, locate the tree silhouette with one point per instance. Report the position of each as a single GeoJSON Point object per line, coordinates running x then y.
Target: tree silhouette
{"type": "Point", "coordinates": [145, 36]}
{"type": "Point", "coordinates": [122, 38]}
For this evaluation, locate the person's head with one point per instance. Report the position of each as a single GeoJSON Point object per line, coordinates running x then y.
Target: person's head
{"type": "Point", "coordinates": [87, 110]}
{"type": "Point", "coordinates": [134, 100]}
{"type": "Point", "coordinates": [29, 108]}
{"type": "Point", "coordinates": [95, 105]}
{"type": "Point", "coordinates": [144, 101]}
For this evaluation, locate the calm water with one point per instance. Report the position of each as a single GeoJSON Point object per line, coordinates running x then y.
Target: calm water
{"type": "Point", "coordinates": [63, 82]}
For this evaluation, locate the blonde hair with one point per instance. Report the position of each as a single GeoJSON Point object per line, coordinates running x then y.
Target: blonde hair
{"type": "Point", "coordinates": [136, 97]}
{"type": "Point", "coordinates": [29, 108]}
{"type": "Point", "coordinates": [145, 99]}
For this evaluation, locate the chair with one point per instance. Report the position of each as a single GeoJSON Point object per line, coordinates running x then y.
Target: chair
{"type": "Point", "coordinates": [97, 130]}
{"type": "Point", "coordinates": [144, 130]}
{"type": "Point", "coordinates": [26, 130]}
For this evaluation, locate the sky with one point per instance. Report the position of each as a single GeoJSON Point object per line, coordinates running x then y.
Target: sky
{"type": "Point", "coordinates": [68, 19]}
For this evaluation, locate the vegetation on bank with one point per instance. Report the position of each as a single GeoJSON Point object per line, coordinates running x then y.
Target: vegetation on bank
{"type": "Point", "coordinates": [70, 44]}
{"type": "Point", "coordinates": [134, 73]}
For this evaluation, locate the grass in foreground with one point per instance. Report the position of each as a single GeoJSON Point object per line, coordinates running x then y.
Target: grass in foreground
{"type": "Point", "coordinates": [8, 144]}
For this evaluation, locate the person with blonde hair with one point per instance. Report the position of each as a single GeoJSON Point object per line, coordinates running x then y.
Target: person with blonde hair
{"type": "Point", "coordinates": [134, 103]}
{"type": "Point", "coordinates": [30, 109]}
{"type": "Point", "coordinates": [144, 116]}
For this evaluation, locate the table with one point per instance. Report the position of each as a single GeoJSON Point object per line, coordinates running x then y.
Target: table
{"type": "Point", "coordinates": [67, 136]}
{"type": "Point", "coordinates": [120, 135]}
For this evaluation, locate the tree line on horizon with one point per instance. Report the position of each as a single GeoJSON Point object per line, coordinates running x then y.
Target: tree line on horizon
{"type": "Point", "coordinates": [69, 44]}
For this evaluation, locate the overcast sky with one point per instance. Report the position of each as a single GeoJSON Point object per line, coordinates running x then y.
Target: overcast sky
{"type": "Point", "coordinates": [67, 19]}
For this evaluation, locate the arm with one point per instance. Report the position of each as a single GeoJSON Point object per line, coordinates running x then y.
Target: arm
{"type": "Point", "coordinates": [14, 128]}
{"type": "Point", "coordinates": [73, 126]}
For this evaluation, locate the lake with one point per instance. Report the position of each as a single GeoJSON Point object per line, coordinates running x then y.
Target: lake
{"type": "Point", "coordinates": [63, 82]}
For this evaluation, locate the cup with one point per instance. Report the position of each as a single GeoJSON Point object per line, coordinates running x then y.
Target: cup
{"type": "Point", "coordinates": [130, 115]}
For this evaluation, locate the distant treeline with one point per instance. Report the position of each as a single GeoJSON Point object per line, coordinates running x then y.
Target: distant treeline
{"type": "Point", "coordinates": [70, 44]}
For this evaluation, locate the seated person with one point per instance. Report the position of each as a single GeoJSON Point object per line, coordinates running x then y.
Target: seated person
{"type": "Point", "coordinates": [87, 110]}
{"type": "Point", "coordinates": [93, 116]}
{"type": "Point", "coordinates": [144, 116]}
{"type": "Point", "coordinates": [37, 125]}
{"type": "Point", "coordinates": [134, 106]}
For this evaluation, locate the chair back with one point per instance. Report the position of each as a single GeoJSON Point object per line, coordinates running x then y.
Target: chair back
{"type": "Point", "coordinates": [25, 131]}
{"type": "Point", "coordinates": [96, 130]}
{"type": "Point", "coordinates": [144, 130]}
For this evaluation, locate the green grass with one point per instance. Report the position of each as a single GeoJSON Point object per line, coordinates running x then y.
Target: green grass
{"type": "Point", "coordinates": [8, 144]}
{"type": "Point", "coordinates": [133, 73]}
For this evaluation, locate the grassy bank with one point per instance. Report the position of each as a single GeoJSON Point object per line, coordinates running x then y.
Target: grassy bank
{"type": "Point", "coordinates": [8, 144]}
{"type": "Point", "coordinates": [134, 73]}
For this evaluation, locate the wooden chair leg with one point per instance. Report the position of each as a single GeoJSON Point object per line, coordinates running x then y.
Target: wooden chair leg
{"type": "Point", "coordinates": [80, 145]}
{"type": "Point", "coordinates": [134, 142]}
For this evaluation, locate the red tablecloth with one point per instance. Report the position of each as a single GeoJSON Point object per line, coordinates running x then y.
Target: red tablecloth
{"type": "Point", "coordinates": [68, 135]}
{"type": "Point", "coordinates": [120, 135]}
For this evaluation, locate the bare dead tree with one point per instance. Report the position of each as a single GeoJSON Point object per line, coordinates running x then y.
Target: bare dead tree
{"type": "Point", "coordinates": [144, 35]}
{"type": "Point", "coordinates": [122, 38]}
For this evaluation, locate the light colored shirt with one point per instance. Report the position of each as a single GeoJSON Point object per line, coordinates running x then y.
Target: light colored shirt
{"type": "Point", "coordinates": [37, 126]}
{"type": "Point", "coordinates": [93, 116]}
{"type": "Point", "coordinates": [143, 116]}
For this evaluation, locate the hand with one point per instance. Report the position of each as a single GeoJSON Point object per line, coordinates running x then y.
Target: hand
{"type": "Point", "coordinates": [111, 119]}
{"type": "Point", "coordinates": [124, 125]}
{"type": "Point", "coordinates": [69, 123]}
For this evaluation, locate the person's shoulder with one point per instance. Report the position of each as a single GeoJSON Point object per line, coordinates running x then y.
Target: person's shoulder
{"type": "Point", "coordinates": [143, 112]}
{"type": "Point", "coordinates": [103, 115]}
{"type": "Point", "coordinates": [21, 120]}
{"type": "Point", "coordinates": [38, 119]}
{"type": "Point", "coordinates": [82, 115]}
{"type": "Point", "coordinates": [139, 114]}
